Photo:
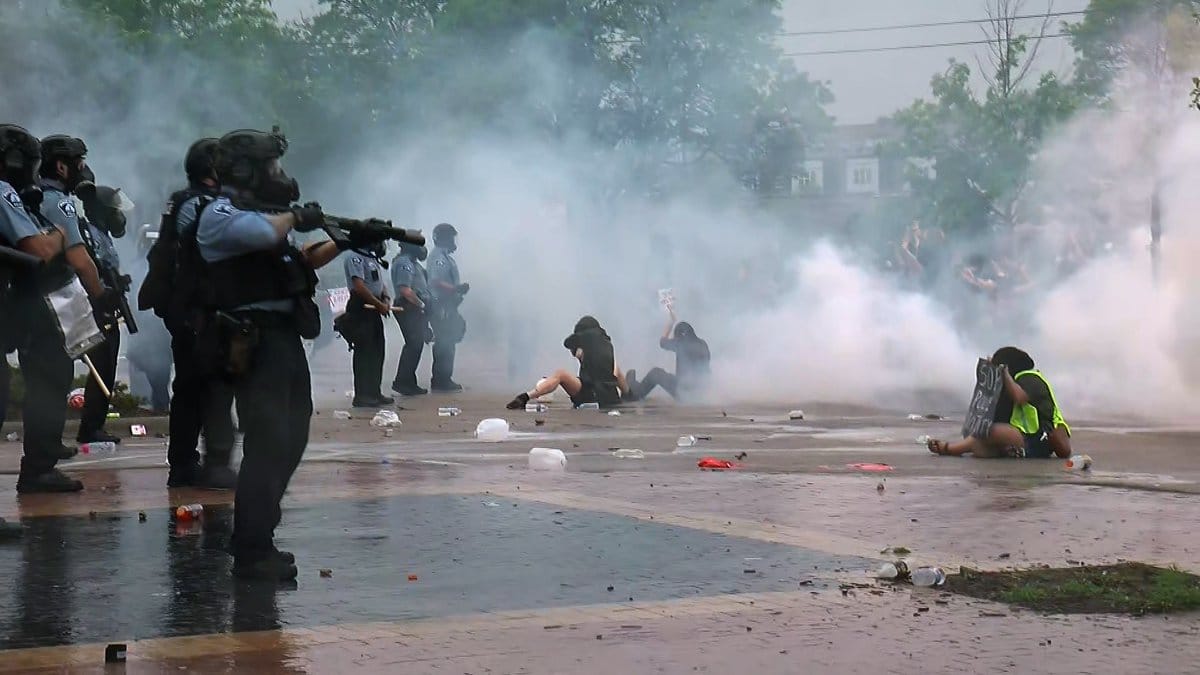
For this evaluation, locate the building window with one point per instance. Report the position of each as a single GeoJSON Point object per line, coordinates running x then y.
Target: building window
{"type": "Point", "coordinates": [811, 178]}
{"type": "Point", "coordinates": [862, 176]}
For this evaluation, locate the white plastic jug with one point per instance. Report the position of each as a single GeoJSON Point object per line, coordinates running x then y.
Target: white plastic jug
{"type": "Point", "coordinates": [492, 430]}
{"type": "Point", "coordinates": [547, 459]}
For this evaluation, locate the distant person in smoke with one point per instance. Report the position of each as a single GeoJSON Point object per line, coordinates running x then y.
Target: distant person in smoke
{"type": "Point", "coordinates": [1028, 421]}
{"type": "Point", "coordinates": [599, 380]}
{"type": "Point", "coordinates": [691, 365]}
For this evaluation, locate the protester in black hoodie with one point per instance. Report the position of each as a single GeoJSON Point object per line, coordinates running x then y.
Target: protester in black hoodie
{"type": "Point", "coordinates": [691, 366]}
{"type": "Point", "coordinates": [598, 380]}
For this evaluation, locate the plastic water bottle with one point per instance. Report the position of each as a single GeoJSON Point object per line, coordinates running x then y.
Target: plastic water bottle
{"type": "Point", "coordinates": [796, 415]}
{"type": "Point", "coordinates": [341, 415]}
{"type": "Point", "coordinates": [188, 512]}
{"type": "Point", "coordinates": [547, 459]}
{"type": "Point", "coordinates": [535, 407]}
{"type": "Point", "coordinates": [449, 412]}
{"type": "Point", "coordinates": [588, 406]}
{"type": "Point", "coordinates": [928, 576]}
{"type": "Point", "coordinates": [924, 439]}
{"type": "Point", "coordinates": [1079, 463]}
{"type": "Point", "coordinates": [892, 571]}
{"type": "Point", "coordinates": [492, 430]}
{"type": "Point", "coordinates": [685, 442]}
{"type": "Point", "coordinates": [99, 448]}
{"type": "Point", "coordinates": [629, 453]}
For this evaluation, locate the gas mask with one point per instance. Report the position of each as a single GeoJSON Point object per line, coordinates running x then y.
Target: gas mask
{"type": "Point", "coordinates": [276, 187]}
{"type": "Point", "coordinates": [105, 207]}
{"type": "Point", "coordinates": [78, 172]}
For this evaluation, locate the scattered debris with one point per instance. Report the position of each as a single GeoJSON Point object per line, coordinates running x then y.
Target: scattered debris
{"type": "Point", "coordinates": [492, 430]}
{"type": "Point", "coordinates": [879, 488]}
{"type": "Point", "coordinates": [868, 466]}
{"type": "Point", "coordinates": [412, 577]}
{"type": "Point", "coordinates": [449, 412]}
{"type": "Point", "coordinates": [628, 453]}
{"type": "Point", "coordinates": [749, 570]}
{"type": "Point", "coordinates": [385, 419]}
{"type": "Point", "coordinates": [114, 653]}
{"type": "Point", "coordinates": [714, 464]}
{"type": "Point", "coordinates": [741, 456]}
{"type": "Point", "coordinates": [12, 437]}
{"type": "Point", "coordinates": [539, 422]}
{"type": "Point", "coordinates": [599, 637]}
{"type": "Point", "coordinates": [137, 429]}
{"type": "Point", "coordinates": [341, 415]}
{"type": "Point", "coordinates": [490, 504]}
{"type": "Point", "coordinates": [614, 413]}
{"type": "Point", "coordinates": [1004, 556]}
{"type": "Point", "coordinates": [610, 588]}
{"type": "Point", "coordinates": [326, 573]}
{"type": "Point", "coordinates": [806, 582]}
{"type": "Point", "coordinates": [794, 415]}
{"type": "Point", "coordinates": [141, 516]}
{"type": "Point", "coordinates": [552, 626]}
{"type": "Point", "coordinates": [685, 442]}
{"type": "Point", "coordinates": [547, 459]}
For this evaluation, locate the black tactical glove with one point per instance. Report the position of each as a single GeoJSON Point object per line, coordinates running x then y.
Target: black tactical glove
{"type": "Point", "coordinates": [105, 307]}
{"type": "Point", "coordinates": [309, 217]}
{"type": "Point", "coordinates": [463, 288]}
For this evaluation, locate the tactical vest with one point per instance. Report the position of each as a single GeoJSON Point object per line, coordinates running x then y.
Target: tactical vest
{"type": "Point", "coordinates": [174, 279]}
{"type": "Point", "coordinates": [1025, 417]}
{"type": "Point", "coordinates": [50, 276]}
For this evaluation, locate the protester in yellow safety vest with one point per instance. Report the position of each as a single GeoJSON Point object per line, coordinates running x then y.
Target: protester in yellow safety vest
{"type": "Point", "coordinates": [1028, 421]}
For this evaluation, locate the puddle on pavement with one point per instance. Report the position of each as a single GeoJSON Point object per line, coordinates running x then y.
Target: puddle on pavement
{"type": "Point", "coordinates": [76, 580]}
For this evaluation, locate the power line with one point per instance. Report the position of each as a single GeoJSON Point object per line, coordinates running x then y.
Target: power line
{"type": "Point", "coordinates": [960, 22]}
{"type": "Point", "coordinates": [897, 48]}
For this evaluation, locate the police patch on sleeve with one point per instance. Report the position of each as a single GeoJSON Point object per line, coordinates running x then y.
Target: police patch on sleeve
{"type": "Point", "coordinates": [14, 200]}
{"type": "Point", "coordinates": [223, 208]}
{"type": "Point", "coordinates": [67, 207]}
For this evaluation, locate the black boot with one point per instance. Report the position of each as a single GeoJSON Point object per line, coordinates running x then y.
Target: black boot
{"type": "Point", "coordinates": [519, 402]}
{"type": "Point", "coordinates": [50, 481]}
{"type": "Point", "coordinates": [631, 382]}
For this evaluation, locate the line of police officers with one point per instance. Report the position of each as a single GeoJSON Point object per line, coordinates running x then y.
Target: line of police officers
{"type": "Point", "coordinates": [426, 307]}
{"type": "Point", "coordinates": [236, 294]}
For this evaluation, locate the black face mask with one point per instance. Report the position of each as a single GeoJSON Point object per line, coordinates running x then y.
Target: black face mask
{"type": "Point", "coordinates": [278, 189]}
{"type": "Point", "coordinates": [76, 175]}
{"type": "Point", "coordinates": [111, 221]}
{"type": "Point", "coordinates": [421, 253]}
{"type": "Point", "coordinates": [31, 196]}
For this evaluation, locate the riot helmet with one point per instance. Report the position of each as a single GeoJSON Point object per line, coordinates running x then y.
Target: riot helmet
{"type": "Point", "coordinates": [72, 152]}
{"type": "Point", "coordinates": [249, 160]}
{"type": "Point", "coordinates": [413, 251]}
{"type": "Point", "coordinates": [199, 162]}
{"type": "Point", "coordinates": [444, 237]}
{"type": "Point", "coordinates": [20, 155]}
{"type": "Point", "coordinates": [105, 207]}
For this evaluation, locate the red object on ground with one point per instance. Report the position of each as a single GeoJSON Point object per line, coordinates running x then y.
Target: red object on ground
{"type": "Point", "coordinates": [716, 464]}
{"type": "Point", "coordinates": [412, 577]}
{"type": "Point", "coordinates": [866, 466]}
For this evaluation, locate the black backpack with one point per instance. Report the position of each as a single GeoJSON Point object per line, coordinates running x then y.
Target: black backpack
{"type": "Point", "coordinates": [160, 291]}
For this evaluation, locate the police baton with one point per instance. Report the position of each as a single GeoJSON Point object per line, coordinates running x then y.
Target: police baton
{"type": "Point", "coordinates": [96, 375]}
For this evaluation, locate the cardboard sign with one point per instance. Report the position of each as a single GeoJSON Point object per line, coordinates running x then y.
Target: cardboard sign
{"type": "Point", "coordinates": [989, 382]}
{"type": "Point", "coordinates": [338, 297]}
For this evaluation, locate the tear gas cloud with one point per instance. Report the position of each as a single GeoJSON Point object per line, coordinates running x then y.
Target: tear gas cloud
{"type": "Point", "coordinates": [552, 228]}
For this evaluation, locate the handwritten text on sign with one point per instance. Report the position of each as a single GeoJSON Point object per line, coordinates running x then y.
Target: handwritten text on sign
{"type": "Point", "coordinates": [338, 297]}
{"type": "Point", "coordinates": [989, 382]}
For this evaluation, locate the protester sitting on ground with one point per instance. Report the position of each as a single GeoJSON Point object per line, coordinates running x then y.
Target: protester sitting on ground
{"type": "Point", "coordinates": [691, 365]}
{"type": "Point", "coordinates": [599, 380]}
{"type": "Point", "coordinates": [1028, 421]}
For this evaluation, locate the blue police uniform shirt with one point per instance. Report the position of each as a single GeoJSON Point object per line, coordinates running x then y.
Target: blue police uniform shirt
{"type": "Point", "coordinates": [408, 272]}
{"type": "Point", "coordinates": [59, 208]}
{"type": "Point", "coordinates": [225, 231]}
{"type": "Point", "coordinates": [442, 268]}
{"type": "Point", "coordinates": [15, 222]}
{"type": "Point", "coordinates": [186, 218]}
{"type": "Point", "coordinates": [367, 269]}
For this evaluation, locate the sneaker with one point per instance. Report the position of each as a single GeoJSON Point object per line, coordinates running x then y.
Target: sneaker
{"type": "Point", "coordinates": [10, 531]}
{"type": "Point", "coordinates": [100, 436]}
{"type": "Point", "coordinates": [447, 386]}
{"type": "Point", "coordinates": [218, 477]}
{"type": "Point", "coordinates": [51, 481]}
{"type": "Point", "coordinates": [519, 402]}
{"type": "Point", "coordinates": [632, 383]}
{"type": "Point", "coordinates": [271, 568]}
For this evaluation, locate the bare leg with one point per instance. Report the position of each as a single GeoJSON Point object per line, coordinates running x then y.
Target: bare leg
{"type": "Point", "coordinates": [621, 383]}
{"type": "Point", "coordinates": [560, 378]}
{"type": "Point", "coordinates": [1000, 439]}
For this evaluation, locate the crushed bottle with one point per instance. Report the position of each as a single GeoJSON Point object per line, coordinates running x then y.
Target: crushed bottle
{"type": "Point", "coordinates": [535, 407]}
{"type": "Point", "coordinates": [1079, 463]}
{"type": "Point", "coordinates": [685, 442]}
{"type": "Point", "coordinates": [98, 448]}
{"type": "Point", "coordinates": [189, 512]}
{"type": "Point", "coordinates": [628, 453]}
{"type": "Point", "coordinates": [927, 577]}
{"type": "Point", "coordinates": [449, 412]}
{"type": "Point", "coordinates": [893, 571]}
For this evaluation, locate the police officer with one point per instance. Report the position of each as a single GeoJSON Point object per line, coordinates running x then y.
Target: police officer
{"type": "Point", "coordinates": [104, 207]}
{"type": "Point", "coordinates": [175, 288]}
{"type": "Point", "coordinates": [412, 300]}
{"type": "Point", "coordinates": [262, 288]}
{"type": "Point", "coordinates": [369, 303]}
{"type": "Point", "coordinates": [62, 169]}
{"type": "Point", "coordinates": [45, 365]}
{"type": "Point", "coordinates": [448, 291]}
